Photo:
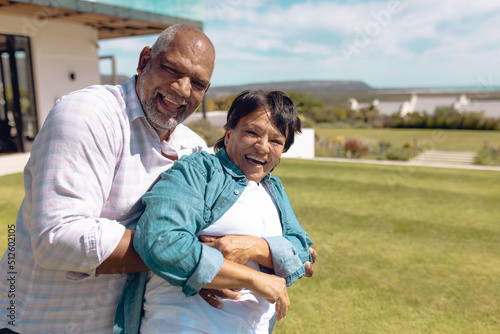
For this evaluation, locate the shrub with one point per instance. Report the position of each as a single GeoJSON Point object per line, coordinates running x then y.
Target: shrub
{"type": "Point", "coordinates": [401, 154]}
{"type": "Point", "coordinates": [355, 148]}
{"type": "Point", "coordinates": [446, 118]}
{"type": "Point", "coordinates": [207, 131]}
{"type": "Point", "coordinates": [488, 156]}
{"type": "Point", "coordinates": [340, 115]}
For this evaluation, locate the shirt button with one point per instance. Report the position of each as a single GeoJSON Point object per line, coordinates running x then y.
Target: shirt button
{"type": "Point", "coordinates": [236, 192]}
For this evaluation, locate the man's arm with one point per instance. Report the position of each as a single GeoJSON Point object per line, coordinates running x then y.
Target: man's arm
{"type": "Point", "coordinates": [124, 258]}
{"type": "Point", "coordinates": [72, 166]}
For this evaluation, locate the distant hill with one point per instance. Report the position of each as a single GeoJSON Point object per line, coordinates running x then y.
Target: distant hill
{"type": "Point", "coordinates": [287, 86]}
{"type": "Point", "coordinates": [297, 86]}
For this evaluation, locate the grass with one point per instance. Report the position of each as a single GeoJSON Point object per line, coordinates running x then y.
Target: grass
{"type": "Point", "coordinates": [12, 193]}
{"type": "Point", "coordinates": [437, 139]}
{"type": "Point", "coordinates": [401, 249]}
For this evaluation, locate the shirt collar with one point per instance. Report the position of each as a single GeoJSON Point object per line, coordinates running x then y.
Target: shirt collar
{"type": "Point", "coordinates": [134, 107]}
{"type": "Point", "coordinates": [231, 168]}
{"type": "Point", "coordinates": [181, 140]}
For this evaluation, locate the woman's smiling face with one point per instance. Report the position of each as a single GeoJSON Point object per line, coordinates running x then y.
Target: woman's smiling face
{"type": "Point", "coordinates": [255, 145]}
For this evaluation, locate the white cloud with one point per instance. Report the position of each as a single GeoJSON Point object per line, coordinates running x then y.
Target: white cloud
{"type": "Point", "coordinates": [272, 38]}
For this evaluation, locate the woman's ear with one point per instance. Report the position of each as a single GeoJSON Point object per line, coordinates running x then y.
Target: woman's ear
{"type": "Point", "coordinates": [144, 59]}
{"type": "Point", "coordinates": [227, 136]}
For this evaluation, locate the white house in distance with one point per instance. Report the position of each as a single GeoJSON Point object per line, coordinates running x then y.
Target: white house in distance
{"type": "Point", "coordinates": [50, 47]}
{"type": "Point", "coordinates": [429, 102]}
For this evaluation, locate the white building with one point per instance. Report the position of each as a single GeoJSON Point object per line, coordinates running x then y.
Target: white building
{"type": "Point", "coordinates": [50, 47]}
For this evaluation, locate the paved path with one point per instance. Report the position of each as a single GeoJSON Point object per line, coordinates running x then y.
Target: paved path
{"type": "Point", "coordinates": [409, 163]}
{"type": "Point", "coordinates": [13, 163]}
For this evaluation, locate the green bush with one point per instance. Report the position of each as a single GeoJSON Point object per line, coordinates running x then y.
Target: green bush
{"type": "Point", "coordinates": [311, 107]}
{"type": "Point", "coordinates": [446, 118]}
{"type": "Point", "coordinates": [488, 156]}
{"type": "Point", "coordinates": [340, 115]}
{"type": "Point", "coordinates": [355, 149]}
{"type": "Point", "coordinates": [207, 131]}
{"type": "Point", "coordinates": [400, 154]}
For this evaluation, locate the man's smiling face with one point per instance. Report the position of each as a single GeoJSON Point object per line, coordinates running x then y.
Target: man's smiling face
{"type": "Point", "coordinates": [172, 85]}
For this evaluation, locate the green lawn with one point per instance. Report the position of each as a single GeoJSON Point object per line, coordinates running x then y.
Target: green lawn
{"type": "Point", "coordinates": [401, 249]}
{"type": "Point", "coordinates": [447, 140]}
{"type": "Point", "coordinates": [11, 196]}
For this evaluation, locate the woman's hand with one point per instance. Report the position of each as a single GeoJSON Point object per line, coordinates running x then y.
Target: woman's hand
{"type": "Point", "coordinates": [273, 289]}
{"type": "Point", "coordinates": [239, 249]}
{"type": "Point", "coordinates": [270, 287]}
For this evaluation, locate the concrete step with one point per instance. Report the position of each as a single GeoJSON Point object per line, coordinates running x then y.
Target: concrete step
{"type": "Point", "coordinates": [444, 157]}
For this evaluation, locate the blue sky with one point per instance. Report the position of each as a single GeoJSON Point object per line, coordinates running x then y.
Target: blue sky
{"type": "Point", "coordinates": [397, 43]}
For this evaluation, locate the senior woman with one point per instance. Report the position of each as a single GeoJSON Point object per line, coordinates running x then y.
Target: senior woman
{"type": "Point", "coordinates": [231, 192]}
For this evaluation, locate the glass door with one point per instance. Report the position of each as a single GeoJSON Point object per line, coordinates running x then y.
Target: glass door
{"type": "Point", "coordinates": [18, 116]}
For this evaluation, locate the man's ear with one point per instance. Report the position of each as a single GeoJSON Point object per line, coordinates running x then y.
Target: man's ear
{"type": "Point", "coordinates": [206, 88]}
{"type": "Point", "coordinates": [144, 59]}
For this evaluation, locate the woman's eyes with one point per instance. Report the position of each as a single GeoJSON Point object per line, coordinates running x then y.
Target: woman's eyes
{"type": "Point", "coordinates": [277, 142]}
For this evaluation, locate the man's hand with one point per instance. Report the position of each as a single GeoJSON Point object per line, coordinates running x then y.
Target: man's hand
{"type": "Point", "coordinates": [210, 296]}
{"type": "Point", "coordinates": [241, 248]}
{"type": "Point", "coordinates": [308, 265]}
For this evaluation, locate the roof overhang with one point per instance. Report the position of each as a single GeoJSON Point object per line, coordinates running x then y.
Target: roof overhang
{"type": "Point", "coordinates": [110, 21]}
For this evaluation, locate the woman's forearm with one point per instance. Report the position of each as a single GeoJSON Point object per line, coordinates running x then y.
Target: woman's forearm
{"type": "Point", "coordinates": [270, 287]}
{"type": "Point", "coordinates": [233, 276]}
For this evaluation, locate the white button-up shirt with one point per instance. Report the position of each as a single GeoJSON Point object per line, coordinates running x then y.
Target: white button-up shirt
{"type": "Point", "coordinates": [94, 157]}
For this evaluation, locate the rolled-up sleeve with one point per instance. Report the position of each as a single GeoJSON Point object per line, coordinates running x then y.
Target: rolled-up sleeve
{"type": "Point", "coordinates": [291, 251]}
{"type": "Point", "coordinates": [166, 237]}
{"type": "Point", "coordinates": [286, 261]}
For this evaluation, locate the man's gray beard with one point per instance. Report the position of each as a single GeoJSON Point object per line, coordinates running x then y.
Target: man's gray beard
{"type": "Point", "coordinates": [159, 120]}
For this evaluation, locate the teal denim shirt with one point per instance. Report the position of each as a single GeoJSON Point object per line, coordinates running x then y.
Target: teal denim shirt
{"type": "Point", "coordinates": [195, 192]}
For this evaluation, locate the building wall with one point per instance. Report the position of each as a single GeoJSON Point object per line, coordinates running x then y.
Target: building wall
{"type": "Point", "coordinates": [303, 146]}
{"type": "Point", "coordinates": [57, 50]}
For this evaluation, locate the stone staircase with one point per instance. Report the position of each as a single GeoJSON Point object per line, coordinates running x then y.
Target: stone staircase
{"type": "Point", "coordinates": [444, 157]}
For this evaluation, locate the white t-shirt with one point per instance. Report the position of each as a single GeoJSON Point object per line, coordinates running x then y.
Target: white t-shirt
{"type": "Point", "coordinates": [168, 310]}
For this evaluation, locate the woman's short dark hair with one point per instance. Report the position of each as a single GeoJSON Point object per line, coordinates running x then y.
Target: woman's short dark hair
{"type": "Point", "coordinates": [284, 115]}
